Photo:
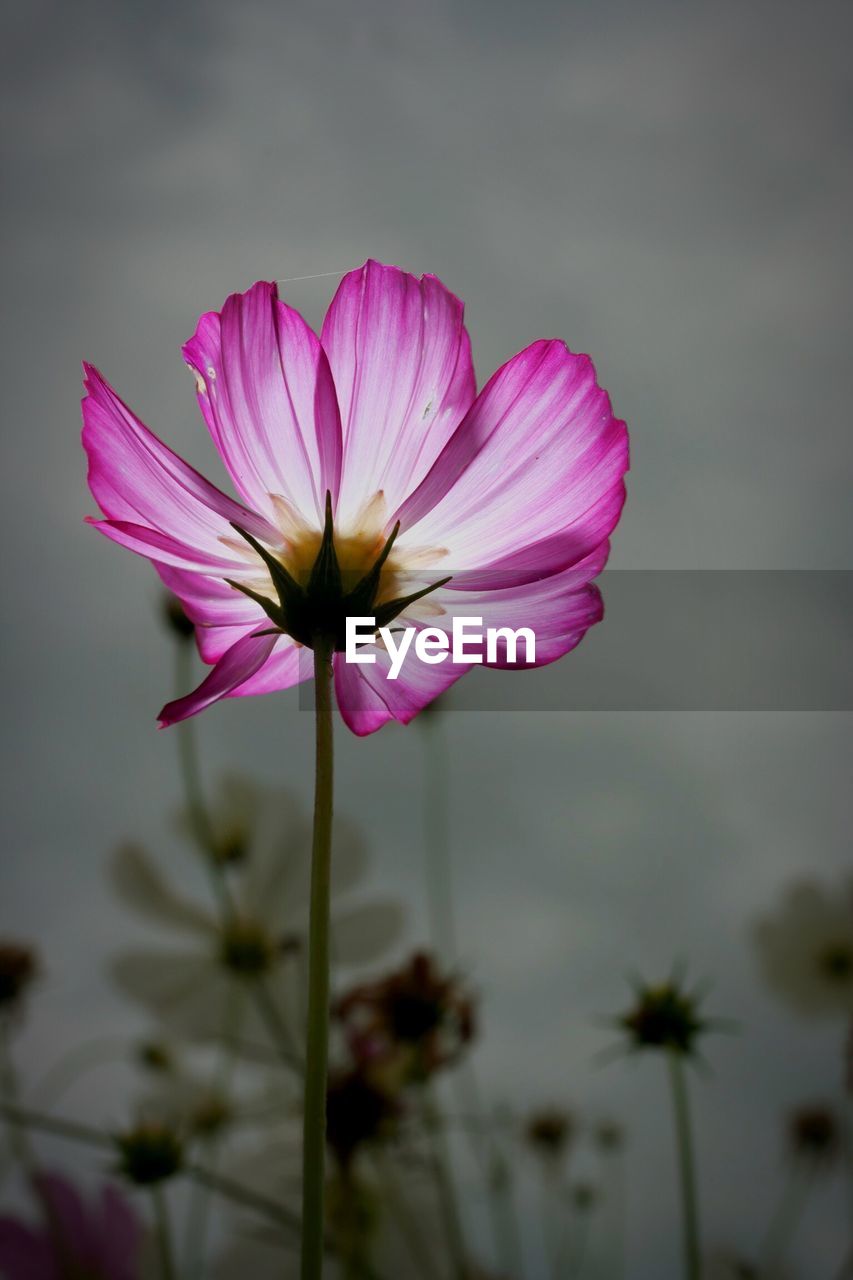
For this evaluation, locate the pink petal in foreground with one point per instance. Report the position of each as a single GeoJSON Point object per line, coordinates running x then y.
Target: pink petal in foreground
{"type": "Point", "coordinates": [139, 483]}
{"type": "Point", "coordinates": [241, 662]}
{"type": "Point", "coordinates": [368, 699]}
{"type": "Point", "coordinates": [559, 610]}
{"type": "Point", "coordinates": [267, 395]}
{"type": "Point", "coordinates": [401, 361]}
{"type": "Point", "coordinates": [222, 616]}
{"type": "Point", "coordinates": [533, 479]}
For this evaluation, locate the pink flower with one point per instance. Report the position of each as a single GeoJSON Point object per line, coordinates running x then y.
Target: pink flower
{"type": "Point", "coordinates": [510, 495]}
{"type": "Point", "coordinates": [101, 1239]}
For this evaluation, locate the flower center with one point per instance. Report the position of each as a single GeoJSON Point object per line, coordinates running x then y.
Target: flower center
{"type": "Point", "coordinates": [246, 949]}
{"type": "Point", "coordinates": [315, 579]}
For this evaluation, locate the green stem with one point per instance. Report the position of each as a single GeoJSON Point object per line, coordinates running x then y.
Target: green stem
{"type": "Point", "coordinates": [241, 1195]}
{"type": "Point", "coordinates": [198, 1215]}
{"type": "Point", "coordinates": [420, 1247]}
{"type": "Point", "coordinates": [785, 1220]}
{"type": "Point", "coordinates": [18, 1141]}
{"type": "Point", "coordinates": [317, 1037]}
{"type": "Point", "coordinates": [444, 939]}
{"type": "Point", "coordinates": [163, 1232]}
{"type": "Point", "coordinates": [440, 1162]}
{"type": "Point", "coordinates": [57, 1125]}
{"type": "Point", "coordinates": [686, 1167]}
{"type": "Point", "coordinates": [436, 825]}
{"type": "Point", "coordinates": [202, 827]}
{"type": "Point", "coordinates": [205, 837]}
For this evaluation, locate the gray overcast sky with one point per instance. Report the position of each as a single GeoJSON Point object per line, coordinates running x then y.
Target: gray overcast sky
{"type": "Point", "coordinates": [665, 185]}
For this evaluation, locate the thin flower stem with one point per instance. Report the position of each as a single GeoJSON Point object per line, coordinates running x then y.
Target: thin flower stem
{"type": "Point", "coordinates": [785, 1220]}
{"type": "Point", "coordinates": [205, 837]}
{"type": "Point", "coordinates": [436, 826]}
{"type": "Point", "coordinates": [57, 1125]}
{"type": "Point", "coordinates": [440, 1163]}
{"type": "Point", "coordinates": [202, 827]}
{"type": "Point", "coordinates": [317, 1036]}
{"type": "Point", "coordinates": [420, 1248]}
{"type": "Point", "coordinates": [444, 938]}
{"type": "Point", "coordinates": [240, 1194]}
{"type": "Point", "coordinates": [581, 1244]}
{"type": "Point", "coordinates": [686, 1166]}
{"type": "Point", "coordinates": [163, 1232]}
{"type": "Point", "coordinates": [18, 1140]}
{"type": "Point", "coordinates": [198, 1215]}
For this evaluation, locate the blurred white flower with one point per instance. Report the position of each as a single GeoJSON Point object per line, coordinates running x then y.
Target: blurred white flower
{"type": "Point", "coordinates": [409, 1237]}
{"type": "Point", "coordinates": [201, 1101]}
{"type": "Point", "coordinates": [201, 989]}
{"type": "Point", "coordinates": [806, 949]}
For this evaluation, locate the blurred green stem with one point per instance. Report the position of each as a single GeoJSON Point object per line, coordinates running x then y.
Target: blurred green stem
{"type": "Point", "coordinates": [409, 1227]}
{"type": "Point", "coordinates": [317, 1037]}
{"type": "Point", "coordinates": [163, 1232]}
{"type": "Point", "coordinates": [202, 827]}
{"type": "Point", "coordinates": [205, 837]}
{"type": "Point", "coordinates": [444, 939]}
{"type": "Point", "coordinates": [785, 1220]}
{"type": "Point", "coordinates": [436, 827]}
{"type": "Point", "coordinates": [686, 1166]}
{"type": "Point", "coordinates": [18, 1140]}
{"type": "Point", "coordinates": [198, 1209]}
{"type": "Point", "coordinates": [448, 1203]}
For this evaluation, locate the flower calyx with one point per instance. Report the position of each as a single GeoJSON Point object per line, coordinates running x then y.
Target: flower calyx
{"type": "Point", "coordinates": [318, 610]}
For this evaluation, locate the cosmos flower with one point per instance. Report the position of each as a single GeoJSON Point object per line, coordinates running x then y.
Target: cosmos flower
{"type": "Point", "coordinates": [195, 1103]}
{"type": "Point", "coordinates": [664, 1016]}
{"type": "Point", "coordinates": [100, 1239]}
{"type": "Point", "coordinates": [199, 991]}
{"type": "Point", "coordinates": [806, 949]}
{"type": "Point", "coordinates": [368, 450]}
{"type": "Point", "coordinates": [410, 1024]}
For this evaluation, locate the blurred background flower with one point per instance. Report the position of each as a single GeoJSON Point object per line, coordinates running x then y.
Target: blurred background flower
{"type": "Point", "coordinates": [805, 948]}
{"type": "Point", "coordinates": [262, 842]}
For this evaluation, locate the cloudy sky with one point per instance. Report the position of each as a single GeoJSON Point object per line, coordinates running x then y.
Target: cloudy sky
{"type": "Point", "coordinates": [665, 185]}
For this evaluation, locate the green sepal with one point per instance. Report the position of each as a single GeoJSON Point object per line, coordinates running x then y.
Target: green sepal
{"type": "Point", "coordinates": [361, 598]}
{"type": "Point", "coordinates": [386, 612]}
{"type": "Point", "coordinates": [270, 608]}
{"type": "Point", "coordinates": [325, 581]}
{"type": "Point", "coordinates": [285, 584]}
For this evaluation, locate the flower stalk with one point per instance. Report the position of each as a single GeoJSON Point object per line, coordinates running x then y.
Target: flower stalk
{"type": "Point", "coordinates": [317, 1037]}
{"type": "Point", "coordinates": [686, 1165]}
{"type": "Point", "coordinates": [163, 1230]}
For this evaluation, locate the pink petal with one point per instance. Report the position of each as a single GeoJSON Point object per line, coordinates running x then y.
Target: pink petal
{"type": "Point", "coordinates": [559, 610]}
{"type": "Point", "coordinates": [165, 550]}
{"type": "Point", "coordinates": [222, 615]}
{"type": "Point", "coordinates": [139, 483]}
{"type": "Point", "coordinates": [120, 1238]}
{"type": "Point", "coordinates": [287, 665]}
{"type": "Point", "coordinates": [368, 699]}
{"type": "Point", "coordinates": [267, 395]}
{"type": "Point", "coordinates": [533, 479]}
{"type": "Point", "coordinates": [242, 661]}
{"type": "Point", "coordinates": [401, 360]}
{"type": "Point", "coordinates": [71, 1215]}
{"type": "Point", "coordinates": [26, 1254]}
